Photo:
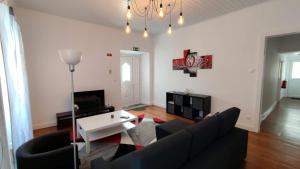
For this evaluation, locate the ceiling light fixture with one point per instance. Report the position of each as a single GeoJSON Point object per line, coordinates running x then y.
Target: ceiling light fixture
{"type": "Point", "coordinates": [161, 10]}
{"type": "Point", "coordinates": [170, 29]}
{"type": "Point", "coordinates": [152, 9]}
{"type": "Point", "coordinates": [128, 15]}
{"type": "Point", "coordinates": [128, 29]}
{"type": "Point", "coordinates": [170, 23]}
{"type": "Point", "coordinates": [180, 19]}
{"type": "Point", "coordinates": [146, 31]}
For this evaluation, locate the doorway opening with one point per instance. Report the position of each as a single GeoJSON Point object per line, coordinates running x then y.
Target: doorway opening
{"type": "Point", "coordinates": [135, 79]}
{"type": "Point", "coordinates": [280, 110]}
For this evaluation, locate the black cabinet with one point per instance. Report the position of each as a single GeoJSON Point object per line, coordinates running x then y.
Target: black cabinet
{"type": "Point", "coordinates": [171, 108]}
{"type": "Point", "coordinates": [197, 103]}
{"type": "Point", "coordinates": [188, 113]}
{"type": "Point", "coordinates": [64, 119]}
{"type": "Point", "coordinates": [189, 106]}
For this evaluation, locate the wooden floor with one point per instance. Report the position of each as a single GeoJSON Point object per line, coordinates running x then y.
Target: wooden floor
{"type": "Point", "coordinates": [284, 121]}
{"type": "Point", "coordinates": [266, 150]}
{"type": "Point", "coordinates": [277, 146]}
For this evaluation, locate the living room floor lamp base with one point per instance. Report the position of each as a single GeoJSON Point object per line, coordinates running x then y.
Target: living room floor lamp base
{"type": "Point", "coordinates": [71, 57]}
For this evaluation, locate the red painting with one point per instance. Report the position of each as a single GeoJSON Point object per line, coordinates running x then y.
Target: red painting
{"type": "Point", "coordinates": [191, 62]}
{"type": "Point", "coordinates": [206, 62]}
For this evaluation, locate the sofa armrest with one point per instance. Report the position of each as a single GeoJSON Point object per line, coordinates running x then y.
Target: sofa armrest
{"type": "Point", "coordinates": [169, 128]}
{"type": "Point", "coordinates": [50, 142]}
{"type": "Point", "coordinates": [61, 136]}
{"type": "Point", "coordinates": [59, 158]}
{"type": "Point", "coordinates": [100, 163]}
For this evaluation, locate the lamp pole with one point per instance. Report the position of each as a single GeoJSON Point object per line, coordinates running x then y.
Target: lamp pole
{"type": "Point", "coordinates": [72, 69]}
{"type": "Point", "coordinates": [72, 57]}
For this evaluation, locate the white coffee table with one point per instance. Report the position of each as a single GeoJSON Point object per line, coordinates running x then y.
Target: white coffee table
{"type": "Point", "coordinates": [103, 125]}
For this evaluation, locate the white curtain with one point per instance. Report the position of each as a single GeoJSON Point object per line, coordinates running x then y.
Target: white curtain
{"type": "Point", "coordinates": [16, 78]}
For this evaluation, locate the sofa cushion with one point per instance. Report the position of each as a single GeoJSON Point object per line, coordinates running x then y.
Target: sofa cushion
{"type": "Point", "coordinates": [169, 127]}
{"type": "Point", "coordinates": [168, 153]}
{"type": "Point", "coordinates": [228, 119]}
{"type": "Point", "coordinates": [227, 152]}
{"type": "Point", "coordinates": [203, 134]}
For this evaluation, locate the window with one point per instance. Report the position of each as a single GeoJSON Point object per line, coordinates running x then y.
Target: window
{"type": "Point", "coordinates": [126, 72]}
{"type": "Point", "coordinates": [296, 70]}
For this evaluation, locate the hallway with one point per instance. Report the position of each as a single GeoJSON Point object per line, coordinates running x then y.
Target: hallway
{"type": "Point", "coordinates": [284, 121]}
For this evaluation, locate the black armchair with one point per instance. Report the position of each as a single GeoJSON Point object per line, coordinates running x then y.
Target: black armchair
{"type": "Point", "coordinates": [52, 151]}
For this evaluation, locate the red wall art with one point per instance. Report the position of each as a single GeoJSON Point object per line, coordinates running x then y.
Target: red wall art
{"type": "Point", "coordinates": [191, 62]}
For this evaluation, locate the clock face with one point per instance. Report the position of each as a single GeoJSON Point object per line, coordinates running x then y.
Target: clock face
{"type": "Point", "coordinates": [190, 60]}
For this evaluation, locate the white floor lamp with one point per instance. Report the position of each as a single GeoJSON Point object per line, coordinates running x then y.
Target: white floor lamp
{"type": "Point", "coordinates": [71, 57]}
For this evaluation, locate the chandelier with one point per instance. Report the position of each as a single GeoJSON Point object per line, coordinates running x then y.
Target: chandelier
{"type": "Point", "coordinates": [152, 9]}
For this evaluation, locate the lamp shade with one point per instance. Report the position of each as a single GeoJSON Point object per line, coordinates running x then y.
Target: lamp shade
{"type": "Point", "coordinates": [70, 56]}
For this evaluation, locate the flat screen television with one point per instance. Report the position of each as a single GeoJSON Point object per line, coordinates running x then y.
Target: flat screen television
{"type": "Point", "coordinates": [89, 99]}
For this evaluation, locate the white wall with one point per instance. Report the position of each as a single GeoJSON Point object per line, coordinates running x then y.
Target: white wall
{"type": "Point", "coordinates": [10, 2]}
{"type": "Point", "coordinates": [237, 41]}
{"type": "Point", "coordinates": [289, 43]}
{"type": "Point", "coordinates": [283, 92]}
{"type": "Point", "coordinates": [271, 74]}
{"type": "Point", "coordinates": [271, 81]}
{"type": "Point", "coordinates": [49, 79]}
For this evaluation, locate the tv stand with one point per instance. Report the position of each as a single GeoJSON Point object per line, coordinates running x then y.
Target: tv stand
{"type": "Point", "coordinates": [64, 119]}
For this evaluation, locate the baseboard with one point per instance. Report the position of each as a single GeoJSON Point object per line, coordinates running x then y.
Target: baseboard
{"type": "Point", "coordinates": [134, 107]}
{"type": "Point", "coordinates": [264, 115]}
{"type": "Point", "coordinates": [146, 102]}
{"type": "Point", "coordinates": [158, 105]}
{"type": "Point", "coordinates": [43, 125]}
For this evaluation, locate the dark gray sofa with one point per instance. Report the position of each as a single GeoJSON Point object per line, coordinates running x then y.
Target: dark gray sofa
{"type": "Point", "coordinates": [211, 144]}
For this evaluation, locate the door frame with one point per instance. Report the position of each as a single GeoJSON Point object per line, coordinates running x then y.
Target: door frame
{"type": "Point", "coordinates": [146, 82]}
{"type": "Point", "coordinates": [261, 68]}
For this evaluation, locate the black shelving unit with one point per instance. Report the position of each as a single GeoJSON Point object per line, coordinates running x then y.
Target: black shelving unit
{"type": "Point", "coordinates": [188, 105]}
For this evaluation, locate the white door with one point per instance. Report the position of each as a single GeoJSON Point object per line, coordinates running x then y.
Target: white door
{"type": "Point", "coordinates": [130, 80]}
{"type": "Point", "coordinates": [294, 79]}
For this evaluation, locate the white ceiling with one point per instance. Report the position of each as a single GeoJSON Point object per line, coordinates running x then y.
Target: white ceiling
{"type": "Point", "coordinates": [112, 12]}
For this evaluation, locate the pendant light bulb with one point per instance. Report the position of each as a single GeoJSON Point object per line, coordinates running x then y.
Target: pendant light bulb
{"type": "Point", "coordinates": [129, 14]}
{"type": "Point", "coordinates": [180, 19]}
{"type": "Point", "coordinates": [128, 29]}
{"type": "Point", "coordinates": [146, 33]}
{"type": "Point", "coordinates": [170, 29]}
{"type": "Point", "coordinates": [161, 11]}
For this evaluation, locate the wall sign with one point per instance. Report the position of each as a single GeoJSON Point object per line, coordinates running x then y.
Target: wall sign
{"type": "Point", "coordinates": [191, 62]}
